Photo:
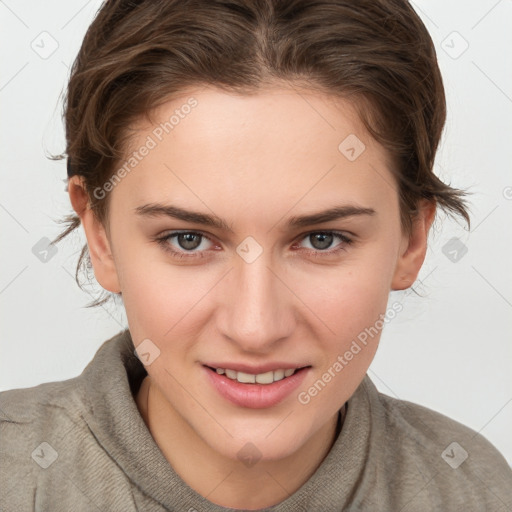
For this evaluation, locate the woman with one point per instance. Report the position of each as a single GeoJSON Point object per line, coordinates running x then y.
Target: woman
{"type": "Point", "coordinates": [253, 179]}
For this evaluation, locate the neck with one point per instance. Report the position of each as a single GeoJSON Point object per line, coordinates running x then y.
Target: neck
{"type": "Point", "coordinates": [223, 481]}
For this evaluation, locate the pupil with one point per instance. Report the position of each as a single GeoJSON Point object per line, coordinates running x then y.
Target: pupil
{"type": "Point", "coordinates": [325, 240]}
{"type": "Point", "coordinates": [186, 240]}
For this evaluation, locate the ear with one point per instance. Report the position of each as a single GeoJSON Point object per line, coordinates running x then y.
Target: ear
{"type": "Point", "coordinates": [97, 239]}
{"type": "Point", "coordinates": [414, 247]}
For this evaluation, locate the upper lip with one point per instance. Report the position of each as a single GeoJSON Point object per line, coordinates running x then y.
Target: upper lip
{"type": "Point", "coordinates": [255, 369]}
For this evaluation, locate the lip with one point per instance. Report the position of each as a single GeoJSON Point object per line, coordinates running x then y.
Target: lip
{"type": "Point", "coordinates": [255, 396]}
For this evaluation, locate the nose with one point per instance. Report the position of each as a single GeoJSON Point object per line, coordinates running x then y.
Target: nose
{"type": "Point", "coordinates": [258, 309]}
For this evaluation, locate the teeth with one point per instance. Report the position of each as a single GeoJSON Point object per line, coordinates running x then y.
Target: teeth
{"type": "Point", "coordinates": [278, 374]}
{"type": "Point", "coordinates": [260, 378]}
{"type": "Point", "coordinates": [265, 378]}
{"type": "Point", "coordinates": [230, 374]}
{"type": "Point", "coordinates": [246, 378]}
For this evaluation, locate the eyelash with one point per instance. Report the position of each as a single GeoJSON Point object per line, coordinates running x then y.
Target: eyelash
{"type": "Point", "coordinates": [163, 242]}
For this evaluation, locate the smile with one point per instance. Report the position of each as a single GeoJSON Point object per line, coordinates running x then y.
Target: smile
{"type": "Point", "coordinates": [255, 390]}
{"type": "Point", "coordinates": [259, 378]}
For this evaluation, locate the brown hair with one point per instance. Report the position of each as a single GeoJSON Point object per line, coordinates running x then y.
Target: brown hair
{"type": "Point", "coordinates": [137, 54]}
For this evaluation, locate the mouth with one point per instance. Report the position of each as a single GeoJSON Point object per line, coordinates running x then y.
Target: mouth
{"type": "Point", "coordinates": [257, 378]}
{"type": "Point", "coordinates": [255, 390]}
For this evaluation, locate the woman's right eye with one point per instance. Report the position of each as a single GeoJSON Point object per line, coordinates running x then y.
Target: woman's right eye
{"type": "Point", "coordinates": [186, 243]}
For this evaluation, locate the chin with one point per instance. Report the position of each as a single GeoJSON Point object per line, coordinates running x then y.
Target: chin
{"type": "Point", "coordinates": [251, 443]}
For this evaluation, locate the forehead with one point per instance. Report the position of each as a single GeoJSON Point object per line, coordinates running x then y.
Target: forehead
{"type": "Point", "coordinates": [285, 112]}
{"type": "Point", "coordinates": [282, 142]}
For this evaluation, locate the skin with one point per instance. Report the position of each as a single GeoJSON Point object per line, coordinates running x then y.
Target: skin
{"type": "Point", "coordinates": [253, 161]}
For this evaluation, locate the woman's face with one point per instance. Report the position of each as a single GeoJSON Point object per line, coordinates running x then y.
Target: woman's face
{"type": "Point", "coordinates": [248, 286]}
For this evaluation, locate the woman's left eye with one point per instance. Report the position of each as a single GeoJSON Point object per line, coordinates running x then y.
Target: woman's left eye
{"type": "Point", "coordinates": [323, 240]}
{"type": "Point", "coordinates": [190, 242]}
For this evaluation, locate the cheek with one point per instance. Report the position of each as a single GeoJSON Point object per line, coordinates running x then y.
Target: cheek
{"type": "Point", "coordinates": [350, 316]}
{"type": "Point", "coordinates": [351, 297]}
{"type": "Point", "coordinates": [351, 304]}
{"type": "Point", "coordinates": [351, 301]}
{"type": "Point", "coordinates": [164, 301]}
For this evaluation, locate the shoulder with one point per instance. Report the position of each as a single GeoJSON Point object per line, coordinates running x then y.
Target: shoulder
{"type": "Point", "coordinates": [47, 444]}
{"type": "Point", "coordinates": [451, 463]}
{"type": "Point", "coordinates": [33, 423]}
{"type": "Point", "coordinates": [43, 408]}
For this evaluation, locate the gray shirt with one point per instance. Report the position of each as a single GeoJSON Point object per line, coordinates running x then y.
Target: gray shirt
{"type": "Point", "coordinates": [82, 445]}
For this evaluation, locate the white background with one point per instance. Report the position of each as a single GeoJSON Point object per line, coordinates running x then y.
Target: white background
{"type": "Point", "coordinates": [449, 349]}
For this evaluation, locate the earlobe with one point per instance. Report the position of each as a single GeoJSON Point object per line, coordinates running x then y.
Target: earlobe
{"type": "Point", "coordinates": [97, 240]}
{"type": "Point", "coordinates": [412, 253]}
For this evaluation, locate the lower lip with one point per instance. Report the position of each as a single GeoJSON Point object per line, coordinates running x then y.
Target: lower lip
{"type": "Point", "coordinates": [255, 396]}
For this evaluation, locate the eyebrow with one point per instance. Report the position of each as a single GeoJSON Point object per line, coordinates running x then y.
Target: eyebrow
{"type": "Point", "coordinates": [337, 212]}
